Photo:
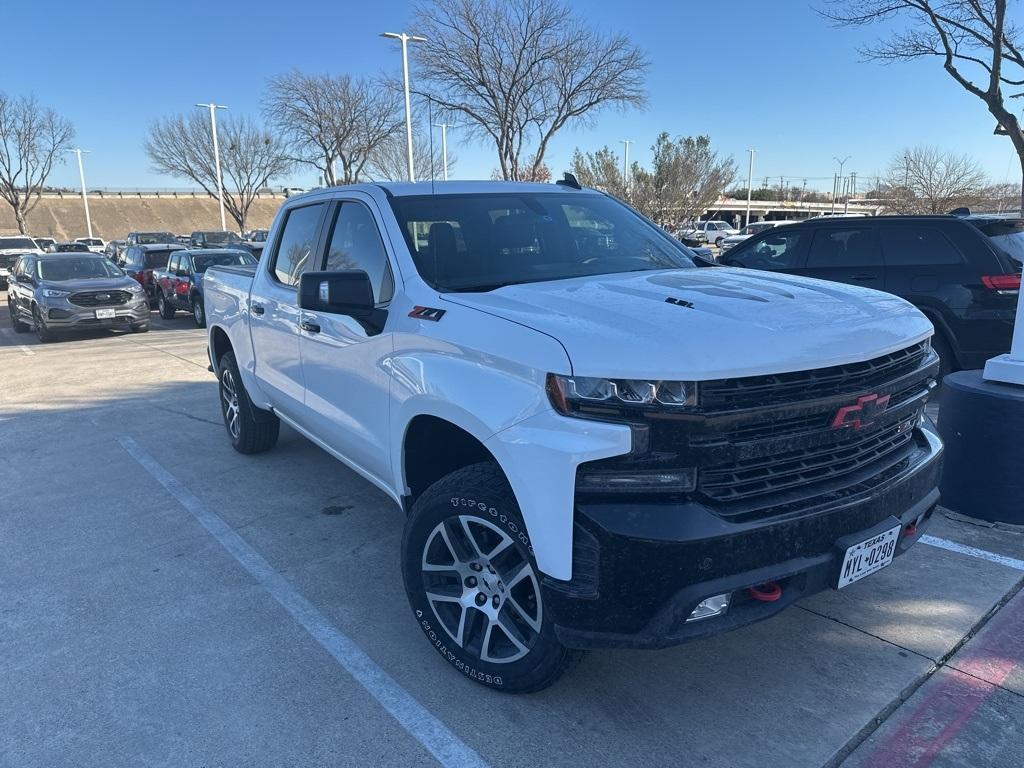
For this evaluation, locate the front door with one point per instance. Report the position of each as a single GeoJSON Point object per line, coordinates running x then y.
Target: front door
{"type": "Point", "coordinates": [846, 254]}
{"type": "Point", "coordinates": [344, 364]}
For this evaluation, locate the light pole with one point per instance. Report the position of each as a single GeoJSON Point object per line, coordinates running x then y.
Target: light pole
{"type": "Point", "coordinates": [405, 80]}
{"type": "Point", "coordinates": [216, 157]}
{"type": "Point", "coordinates": [625, 163]}
{"type": "Point", "coordinates": [750, 181]}
{"type": "Point", "coordinates": [81, 178]}
{"type": "Point", "coordinates": [838, 181]}
{"type": "Point", "coordinates": [444, 147]}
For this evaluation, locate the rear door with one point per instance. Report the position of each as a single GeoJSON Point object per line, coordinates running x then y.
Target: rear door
{"type": "Point", "coordinates": [274, 313]}
{"type": "Point", "coordinates": [344, 365]}
{"type": "Point", "coordinates": [846, 254]}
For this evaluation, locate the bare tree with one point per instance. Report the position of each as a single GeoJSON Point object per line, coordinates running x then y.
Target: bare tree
{"type": "Point", "coordinates": [388, 161]}
{"type": "Point", "coordinates": [685, 179]}
{"type": "Point", "coordinates": [331, 121]}
{"type": "Point", "coordinates": [928, 180]}
{"type": "Point", "coordinates": [250, 157]}
{"type": "Point", "coordinates": [977, 45]}
{"type": "Point", "coordinates": [601, 169]}
{"type": "Point", "coordinates": [32, 139]}
{"type": "Point", "coordinates": [520, 71]}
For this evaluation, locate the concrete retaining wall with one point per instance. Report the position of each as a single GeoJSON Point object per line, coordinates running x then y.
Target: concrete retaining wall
{"type": "Point", "coordinates": [63, 218]}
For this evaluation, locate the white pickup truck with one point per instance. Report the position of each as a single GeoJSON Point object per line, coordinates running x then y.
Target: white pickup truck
{"type": "Point", "coordinates": [597, 440]}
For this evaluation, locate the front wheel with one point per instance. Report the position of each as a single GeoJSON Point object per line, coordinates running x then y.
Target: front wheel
{"type": "Point", "coordinates": [473, 584]}
{"type": "Point", "coordinates": [166, 310]}
{"type": "Point", "coordinates": [43, 333]}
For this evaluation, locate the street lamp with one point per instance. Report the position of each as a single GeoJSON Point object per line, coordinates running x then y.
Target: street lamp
{"type": "Point", "coordinates": [835, 186]}
{"type": "Point", "coordinates": [405, 80]}
{"type": "Point", "coordinates": [444, 146]}
{"type": "Point", "coordinates": [750, 181]}
{"type": "Point", "coordinates": [216, 157]}
{"type": "Point", "coordinates": [81, 178]}
{"type": "Point", "coordinates": [625, 163]}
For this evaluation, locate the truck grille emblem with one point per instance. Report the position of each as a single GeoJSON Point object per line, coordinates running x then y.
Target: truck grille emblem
{"type": "Point", "coordinates": [862, 413]}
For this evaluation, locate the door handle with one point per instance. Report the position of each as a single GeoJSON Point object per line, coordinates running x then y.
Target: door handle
{"type": "Point", "coordinates": [257, 309]}
{"type": "Point", "coordinates": [309, 327]}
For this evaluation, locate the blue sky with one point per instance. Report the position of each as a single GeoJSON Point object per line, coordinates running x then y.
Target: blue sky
{"type": "Point", "coordinates": [750, 73]}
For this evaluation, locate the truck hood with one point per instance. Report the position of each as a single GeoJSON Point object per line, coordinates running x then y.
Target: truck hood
{"type": "Point", "coordinates": [699, 324]}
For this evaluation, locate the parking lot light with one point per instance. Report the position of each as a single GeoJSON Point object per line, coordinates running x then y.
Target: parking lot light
{"type": "Point", "coordinates": [81, 177]}
{"type": "Point", "coordinates": [406, 38]}
{"type": "Point", "coordinates": [216, 157]}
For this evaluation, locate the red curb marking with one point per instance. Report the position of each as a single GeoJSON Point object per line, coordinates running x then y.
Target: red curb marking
{"type": "Point", "coordinates": [950, 703]}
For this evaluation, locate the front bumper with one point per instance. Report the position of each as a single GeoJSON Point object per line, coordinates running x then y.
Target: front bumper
{"type": "Point", "coordinates": [641, 567]}
{"type": "Point", "coordinates": [61, 315]}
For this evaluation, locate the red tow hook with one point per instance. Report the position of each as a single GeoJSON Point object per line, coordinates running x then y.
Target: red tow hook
{"type": "Point", "coordinates": [909, 530]}
{"type": "Point", "coordinates": [766, 593]}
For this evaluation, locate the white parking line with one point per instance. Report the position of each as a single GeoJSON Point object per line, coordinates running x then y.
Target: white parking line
{"type": "Point", "coordinates": [983, 554]}
{"type": "Point", "coordinates": [22, 347]}
{"type": "Point", "coordinates": [435, 737]}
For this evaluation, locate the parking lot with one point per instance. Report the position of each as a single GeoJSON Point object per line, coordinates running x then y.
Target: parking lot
{"type": "Point", "coordinates": [168, 601]}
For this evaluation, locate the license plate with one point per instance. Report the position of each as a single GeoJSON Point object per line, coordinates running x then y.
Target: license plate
{"type": "Point", "coordinates": [104, 314]}
{"type": "Point", "coordinates": [868, 556]}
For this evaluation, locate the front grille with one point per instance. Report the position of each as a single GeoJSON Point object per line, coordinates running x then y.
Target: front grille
{"type": "Point", "coordinates": [99, 298]}
{"type": "Point", "coordinates": [754, 391]}
{"type": "Point", "coordinates": [801, 467]}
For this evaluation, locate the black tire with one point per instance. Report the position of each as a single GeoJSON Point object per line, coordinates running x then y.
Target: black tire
{"type": "Point", "coordinates": [252, 429]}
{"type": "Point", "coordinates": [166, 310]}
{"type": "Point", "coordinates": [947, 361]}
{"type": "Point", "coordinates": [16, 322]}
{"type": "Point", "coordinates": [472, 510]}
{"type": "Point", "coordinates": [198, 311]}
{"type": "Point", "coordinates": [44, 334]}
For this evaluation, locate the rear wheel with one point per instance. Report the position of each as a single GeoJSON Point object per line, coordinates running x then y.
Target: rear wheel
{"type": "Point", "coordinates": [474, 586]}
{"type": "Point", "coordinates": [166, 310]}
{"type": "Point", "coordinates": [16, 321]}
{"type": "Point", "coordinates": [198, 311]}
{"type": "Point", "coordinates": [251, 429]}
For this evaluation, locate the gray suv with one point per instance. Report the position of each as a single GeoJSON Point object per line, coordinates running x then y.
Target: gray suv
{"type": "Point", "coordinates": [74, 291]}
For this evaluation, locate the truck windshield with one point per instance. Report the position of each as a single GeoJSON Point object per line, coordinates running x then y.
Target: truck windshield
{"type": "Point", "coordinates": [483, 242]}
{"type": "Point", "coordinates": [58, 270]}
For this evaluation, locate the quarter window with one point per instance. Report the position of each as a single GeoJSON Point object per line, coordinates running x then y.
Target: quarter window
{"type": "Point", "coordinates": [356, 244]}
{"type": "Point", "coordinates": [910, 246]}
{"type": "Point", "coordinates": [777, 250]}
{"type": "Point", "coordinates": [295, 246]}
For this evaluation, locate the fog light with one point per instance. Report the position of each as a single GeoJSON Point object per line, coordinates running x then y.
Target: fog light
{"type": "Point", "coordinates": [638, 481]}
{"type": "Point", "coordinates": [713, 606]}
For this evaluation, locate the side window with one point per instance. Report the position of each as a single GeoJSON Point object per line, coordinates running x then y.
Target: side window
{"type": "Point", "coordinates": [172, 265]}
{"type": "Point", "coordinates": [296, 243]}
{"type": "Point", "coordinates": [909, 246]}
{"type": "Point", "coordinates": [776, 250]}
{"type": "Point", "coordinates": [356, 244]}
{"type": "Point", "coordinates": [846, 247]}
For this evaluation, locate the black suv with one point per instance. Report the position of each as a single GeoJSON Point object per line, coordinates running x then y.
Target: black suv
{"type": "Point", "coordinates": [962, 272]}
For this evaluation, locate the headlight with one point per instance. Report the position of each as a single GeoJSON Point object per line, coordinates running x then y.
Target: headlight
{"type": "Point", "coordinates": [53, 293]}
{"type": "Point", "coordinates": [571, 394]}
{"type": "Point", "coordinates": [136, 288]}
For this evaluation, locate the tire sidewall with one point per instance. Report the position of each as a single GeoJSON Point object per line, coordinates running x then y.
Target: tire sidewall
{"type": "Point", "coordinates": [451, 496]}
{"type": "Point", "coordinates": [228, 363]}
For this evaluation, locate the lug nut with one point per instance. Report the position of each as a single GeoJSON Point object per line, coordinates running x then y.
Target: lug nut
{"type": "Point", "coordinates": [495, 601]}
{"type": "Point", "coordinates": [481, 598]}
{"type": "Point", "coordinates": [471, 581]}
{"type": "Point", "coordinates": [476, 566]}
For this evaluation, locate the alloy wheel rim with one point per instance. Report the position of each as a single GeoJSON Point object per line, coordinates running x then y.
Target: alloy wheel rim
{"type": "Point", "coordinates": [229, 402]}
{"type": "Point", "coordinates": [197, 312]}
{"type": "Point", "coordinates": [482, 589]}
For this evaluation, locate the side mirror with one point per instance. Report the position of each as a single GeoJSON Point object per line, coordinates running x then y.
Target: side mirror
{"type": "Point", "coordinates": [346, 292]}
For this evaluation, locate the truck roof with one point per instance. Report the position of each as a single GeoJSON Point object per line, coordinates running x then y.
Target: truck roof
{"type": "Point", "coordinates": [411, 189]}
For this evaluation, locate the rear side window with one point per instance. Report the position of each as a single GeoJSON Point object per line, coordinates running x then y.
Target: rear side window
{"type": "Point", "coordinates": [296, 243]}
{"type": "Point", "coordinates": [356, 244]}
{"type": "Point", "coordinates": [847, 247]}
{"type": "Point", "coordinates": [157, 259]}
{"type": "Point", "coordinates": [917, 246]}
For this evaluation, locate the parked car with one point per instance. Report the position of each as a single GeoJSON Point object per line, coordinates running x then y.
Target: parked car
{"type": "Point", "coordinates": [965, 282]}
{"type": "Point", "coordinates": [44, 244]}
{"type": "Point", "coordinates": [50, 293]}
{"type": "Point", "coordinates": [179, 285]}
{"type": "Point", "coordinates": [256, 235]}
{"type": "Point", "coordinates": [113, 248]}
{"type": "Point", "coordinates": [727, 243]}
{"type": "Point", "coordinates": [150, 238]}
{"type": "Point", "coordinates": [71, 247]}
{"type": "Point", "coordinates": [139, 261]}
{"type": "Point", "coordinates": [95, 244]}
{"type": "Point", "coordinates": [713, 231]}
{"type": "Point", "coordinates": [596, 443]}
{"type": "Point", "coordinates": [10, 249]}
